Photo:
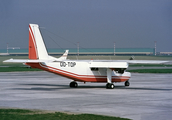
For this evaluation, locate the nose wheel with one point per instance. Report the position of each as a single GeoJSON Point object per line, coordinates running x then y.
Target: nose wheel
{"type": "Point", "coordinates": [127, 83]}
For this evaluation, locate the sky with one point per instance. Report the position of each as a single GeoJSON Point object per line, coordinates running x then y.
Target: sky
{"type": "Point", "coordinates": [91, 23]}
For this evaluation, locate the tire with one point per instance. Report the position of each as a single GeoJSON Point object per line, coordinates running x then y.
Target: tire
{"type": "Point", "coordinates": [107, 85]}
{"type": "Point", "coordinates": [127, 83]}
{"type": "Point", "coordinates": [110, 86]}
{"type": "Point", "coordinates": [73, 84]}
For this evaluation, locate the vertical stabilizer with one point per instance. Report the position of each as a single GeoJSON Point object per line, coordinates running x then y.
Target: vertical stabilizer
{"type": "Point", "coordinates": [37, 49]}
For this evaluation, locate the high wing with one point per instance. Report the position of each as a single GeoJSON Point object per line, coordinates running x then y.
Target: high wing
{"type": "Point", "coordinates": [143, 61]}
{"type": "Point", "coordinates": [121, 63]}
{"type": "Point", "coordinates": [119, 67]}
{"type": "Point", "coordinates": [108, 64]}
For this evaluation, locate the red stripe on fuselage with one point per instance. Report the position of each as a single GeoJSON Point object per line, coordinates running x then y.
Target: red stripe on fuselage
{"type": "Point", "coordinates": [76, 77]}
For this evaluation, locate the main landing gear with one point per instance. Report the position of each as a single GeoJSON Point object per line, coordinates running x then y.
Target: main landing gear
{"type": "Point", "coordinates": [73, 84]}
{"type": "Point", "coordinates": [110, 86]}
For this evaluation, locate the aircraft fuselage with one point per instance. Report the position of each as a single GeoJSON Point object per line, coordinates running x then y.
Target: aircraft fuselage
{"type": "Point", "coordinates": [80, 71]}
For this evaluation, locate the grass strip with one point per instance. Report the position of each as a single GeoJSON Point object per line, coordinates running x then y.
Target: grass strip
{"type": "Point", "coordinates": [19, 114]}
{"type": "Point", "coordinates": [149, 65]}
{"type": "Point", "coordinates": [17, 69]}
{"type": "Point", "coordinates": [151, 71]}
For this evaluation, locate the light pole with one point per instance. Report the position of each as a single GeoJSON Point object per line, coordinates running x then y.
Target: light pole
{"type": "Point", "coordinates": [78, 48]}
{"type": "Point", "coordinates": [155, 47]}
{"type": "Point", "coordinates": [114, 48]}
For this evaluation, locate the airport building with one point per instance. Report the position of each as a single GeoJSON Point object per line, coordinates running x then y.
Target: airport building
{"type": "Point", "coordinates": [106, 51]}
{"type": "Point", "coordinates": [90, 51]}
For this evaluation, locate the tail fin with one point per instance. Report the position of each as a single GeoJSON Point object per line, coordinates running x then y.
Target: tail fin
{"type": "Point", "coordinates": [37, 49]}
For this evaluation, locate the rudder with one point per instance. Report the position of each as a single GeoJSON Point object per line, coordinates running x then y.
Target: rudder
{"type": "Point", "coordinates": [37, 49]}
{"type": "Point", "coordinates": [32, 45]}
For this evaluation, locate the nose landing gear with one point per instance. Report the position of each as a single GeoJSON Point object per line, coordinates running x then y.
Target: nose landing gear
{"type": "Point", "coordinates": [127, 83]}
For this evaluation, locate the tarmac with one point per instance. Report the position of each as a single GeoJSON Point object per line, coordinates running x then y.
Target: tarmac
{"type": "Point", "coordinates": [149, 96]}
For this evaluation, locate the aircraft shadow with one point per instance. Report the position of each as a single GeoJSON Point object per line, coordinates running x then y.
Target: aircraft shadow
{"type": "Point", "coordinates": [46, 87]}
{"type": "Point", "coordinates": [124, 88]}
{"type": "Point", "coordinates": [53, 85]}
{"type": "Point", "coordinates": [43, 87]}
{"type": "Point", "coordinates": [141, 88]}
{"type": "Point", "coordinates": [39, 89]}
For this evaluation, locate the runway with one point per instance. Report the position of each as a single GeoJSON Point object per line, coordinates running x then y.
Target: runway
{"type": "Point", "coordinates": [148, 97]}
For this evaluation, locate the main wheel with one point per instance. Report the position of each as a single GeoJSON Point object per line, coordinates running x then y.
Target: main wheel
{"type": "Point", "coordinates": [127, 83]}
{"type": "Point", "coordinates": [73, 84]}
{"type": "Point", "coordinates": [110, 86]}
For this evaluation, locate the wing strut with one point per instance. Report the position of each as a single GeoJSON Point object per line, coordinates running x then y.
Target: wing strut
{"type": "Point", "coordinates": [109, 75]}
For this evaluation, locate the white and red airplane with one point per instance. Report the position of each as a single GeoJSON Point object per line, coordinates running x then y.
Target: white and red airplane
{"type": "Point", "coordinates": [77, 70]}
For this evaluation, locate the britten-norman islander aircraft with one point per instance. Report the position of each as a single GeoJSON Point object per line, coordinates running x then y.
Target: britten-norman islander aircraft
{"type": "Point", "coordinates": [77, 70]}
